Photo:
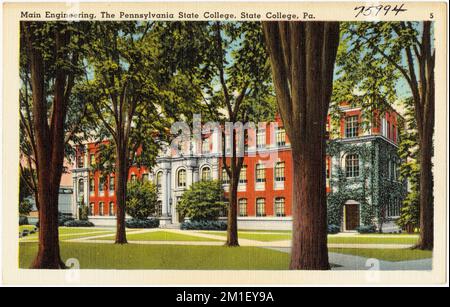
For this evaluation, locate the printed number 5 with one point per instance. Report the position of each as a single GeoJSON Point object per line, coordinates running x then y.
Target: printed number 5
{"type": "Point", "coordinates": [431, 15]}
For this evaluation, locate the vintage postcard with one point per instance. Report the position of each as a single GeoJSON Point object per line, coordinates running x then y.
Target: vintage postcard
{"type": "Point", "coordinates": [225, 143]}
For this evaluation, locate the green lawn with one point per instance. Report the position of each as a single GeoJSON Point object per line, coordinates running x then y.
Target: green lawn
{"type": "Point", "coordinates": [135, 256]}
{"type": "Point", "coordinates": [67, 233]}
{"type": "Point", "coordinates": [161, 236]}
{"type": "Point", "coordinates": [353, 239]}
{"type": "Point", "coordinates": [73, 230]}
{"type": "Point", "coordinates": [271, 231]}
{"type": "Point", "coordinates": [385, 254]}
{"type": "Point", "coordinates": [254, 236]}
{"type": "Point", "coordinates": [364, 239]}
{"type": "Point", "coordinates": [26, 227]}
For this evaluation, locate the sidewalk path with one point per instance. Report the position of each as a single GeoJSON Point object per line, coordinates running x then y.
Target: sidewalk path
{"type": "Point", "coordinates": [347, 262]}
{"type": "Point", "coordinates": [242, 242]}
{"type": "Point", "coordinates": [156, 242]}
{"type": "Point", "coordinates": [85, 239]}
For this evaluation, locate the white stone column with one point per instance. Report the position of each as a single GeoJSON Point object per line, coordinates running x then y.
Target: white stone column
{"type": "Point", "coordinates": [189, 176]}
{"type": "Point", "coordinates": [75, 197]}
{"type": "Point", "coordinates": [215, 169]}
{"type": "Point", "coordinates": [86, 190]}
{"type": "Point", "coordinates": [169, 191]}
{"type": "Point", "coordinates": [195, 174]}
{"type": "Point", "coordinates": [164, 193]}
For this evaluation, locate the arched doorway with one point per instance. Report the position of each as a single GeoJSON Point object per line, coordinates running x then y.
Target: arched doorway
{"type": "Point", "coordinates": [351, 215]}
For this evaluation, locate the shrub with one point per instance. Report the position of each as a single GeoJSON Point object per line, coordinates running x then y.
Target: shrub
{"type": "Point", "coordinates": [25, 207]}
{"type": "Point", "coordinates": [204, 225]}
{"type": "Point", "coordinates": [367, 229]}
{"type": "Point", "coordinates": [62, 219]}
{"type": "Point", "coordinates": [203, 201]}
{"type": "Point", "coordinates": [23, 220]}
{"type": "Point", "coordinates": [333, 229]}
{"type": "Point", "coordinates": [141, 199]}
{"type": "Point", "coordinates": [78, 223]}
{"type": "Point", "coordinates": [144, 223]}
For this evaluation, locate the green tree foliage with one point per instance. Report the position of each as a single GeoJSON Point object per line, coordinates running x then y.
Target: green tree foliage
{"type": "Point", "coordinates": [409, 169]}
{"type": "Point", "coordinates": [134, 97]}
{"type": "Point", "coordinates": [76, 123]}
{"type": "Point", "coordinates": [141, 199]}
{"type": "Point", "coordinates": [51, 63]}
{"type": "Point", "coordinates": [374, 56]}
{"type": "Point", "coordinates": [232, 73]}
{"type": "Point", "coordinates": [84, 211]}
{"type": "Point", "coordinates": [25, 207]}
{"type": "Point", "coordinates": [363, 77]}
{"type": "Point", "coordinates": [203, 201]}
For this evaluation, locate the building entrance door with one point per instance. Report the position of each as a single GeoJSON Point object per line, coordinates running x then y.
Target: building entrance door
{"type": "Point", "coordinates": [351, 217]}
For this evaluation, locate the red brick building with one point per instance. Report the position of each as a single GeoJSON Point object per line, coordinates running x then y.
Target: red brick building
{"type": "Point", "coordinates": [265, 186]}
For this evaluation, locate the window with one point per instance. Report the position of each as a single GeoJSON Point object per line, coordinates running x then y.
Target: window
{"type": "Point", "coordinates": [351, 126]}
{"type": "Point", "coordinates": [91, 186]}
{"type": "Point", "coordinates": [261, 138]}
{"type": "Point", "coordinates": [111, 184]}
{"type": "Point", "coordinates": [351, 166]}
{"type": "Point", "coordinates": [81, 186]}
{"type": "Point", "coordinates": [91, 209]}
{"type": "Point", "coordinates": [260, 207]}
{"type": "Point", "coordinates": [225, 178]}
{"type": "Point", "coordinates": [144, 177]}
{"type": "Point", "coordinates": [92, 159]}
{"type": "Point", "coordinates": [159, 208]}
{"type": "Point", "coordinates": [328, 168]}
{"type": "Point", "coordinates": [388, 130]}
{"type": "Point", "coordinates": [159, 180]}
{"type": "Point", "coordinates": [260, 173]}
{"type": "Point", "coordinates": [80, 160]}
{"type": "Point", "coordinates": [101, 208]}
{"type": "Point", "coordinates": [181, 178]}
{"type": "Point", "coordinates": [101, 185]}
{"type": "Point", "coordinates": [280, 137]}
{"type": "Point", "coordinates": [243, 175]}
{"type": "Point", "coordinates": [242, 207]}
{"type": "Point", "coordinates": [279, 206]}
{"type": "Point", "coordinates": [395, 170]}
{"type": "Point", "coordinates": [383, 126]}
{"type": "Point", "coordinates": [205, 146]}
{"type": "Point", "coordinates": [133, 177]}
{"type": "Point", "coordinates": [394, 207]}
{"type": "Point", "coordinates": [206, 173]}
{"type": "Point", "coordinates": [111, 209]}
{"type": "Point", "coordinates": [279, 172]}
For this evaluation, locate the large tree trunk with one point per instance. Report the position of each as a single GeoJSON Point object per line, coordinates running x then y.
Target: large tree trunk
{"type": "Point", "coordinates": [302, 55]}
{"type": "Point", "coordinates": [309, 235]}
{"type": "Point", "coordinates": [48, 256]}
{"type": "Point", "coordinates": [121, 178]}
{"type": "Point", "coordinates": [49, 145]}
{"type": "Point", "coordinates": [425, 109]}
{"type": "Point", "coordinates": [426, 196]}
{"type": "Point", "coordinates": [232, 234]}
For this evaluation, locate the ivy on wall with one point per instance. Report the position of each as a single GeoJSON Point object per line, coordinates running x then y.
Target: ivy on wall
{"type": "Point", "coordinates": [372, 188]}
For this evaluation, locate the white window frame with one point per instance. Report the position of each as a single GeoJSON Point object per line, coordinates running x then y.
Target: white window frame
{"type": "Point", "coordinates": [354, 170]}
